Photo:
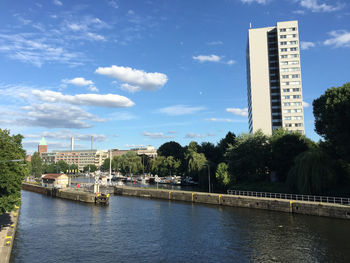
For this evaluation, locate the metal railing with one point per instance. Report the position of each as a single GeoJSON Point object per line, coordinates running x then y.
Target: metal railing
{"type": "Point", "coordinates": [306, 198]}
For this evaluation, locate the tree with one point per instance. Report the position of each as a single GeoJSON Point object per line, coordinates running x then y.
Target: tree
{"type": "Point", "coordinates": [312, 172]}
{"type": "Point", "coordinates": [12, 169]}
{"type": "Point", "coordinates": [285, 147]}
{"type": "Point", "coordinates": [92, 167]}
{"type": "Point", "coordinates": [62, 166]}
{"type": "Point", "coordinates": [171, 149]}
{"type": "Point", "coordinates": [332, 119]}
{"type": "Point", "coordinates": [36, 164]}
{"type": "Point", "coordinates": [195, 164]}
{"type": "Point", "coordinates": [250, 157]}
{"type": "Point", "coordinates": [222, 177]}
{"type": "Point", "coordinates": [225, 144]}
{"type": "Point", "coordinates": [131, 162]}
{"type": "Point", "coordinates": [105, 165]}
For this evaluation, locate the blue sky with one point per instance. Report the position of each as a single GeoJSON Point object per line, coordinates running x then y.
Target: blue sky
{"type": "Point", "coordinates": [140, 72]}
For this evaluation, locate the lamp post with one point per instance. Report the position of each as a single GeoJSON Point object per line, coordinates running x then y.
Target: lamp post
{"type": "Point", "coordinates": [208, 176]}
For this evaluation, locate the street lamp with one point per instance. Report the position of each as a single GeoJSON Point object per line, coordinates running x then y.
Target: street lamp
{"type": "Point", "coordinates": [208, 175]}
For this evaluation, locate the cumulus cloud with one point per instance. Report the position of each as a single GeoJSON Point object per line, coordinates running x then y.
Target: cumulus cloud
{"type": "Point", "coordinates": [304, 45]}
{"type": "Point", "coordinates": [316, 7]}
{"type": "Point", "coordinates": [305, 104]}
{"type": "Point", "coordinates": [156, 135]}
{"type": "Point", "coordinates": [130, 88]}
{"type": "Point", "coordinates": [67, 134]}
{"type": "Point", "coordinates": [107, 100]}
{"type": "Point", "coordinates": [178, 110]}
{"type": "Point", "coordinates": [207, 58]}
{"type": "Point", "coordinates": [78, 82]}
{"type": "Point", "coordinates": [194, 135]}
{"type": "Point", "coordinates": [223, 120]}
{"type": "Point", "coordinates": [57, 2]}
{"type": "Point", "coordinates": [57, 116]}
{"type": "Point", "coordinates": [237, 111]}
{"type": "Point", "coordinates": [134, 78]}
{"type": "Point", "coordinates": [93, 89]}
{"type": "Point", "coordinates": [339, 38]}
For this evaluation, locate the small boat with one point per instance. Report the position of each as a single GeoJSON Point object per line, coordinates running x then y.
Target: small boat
{"type": "Point", "coordinates": [102, 199]}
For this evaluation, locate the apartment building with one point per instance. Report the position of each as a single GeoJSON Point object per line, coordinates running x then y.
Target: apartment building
{"type": "Point", "coordinates": [274, 78]}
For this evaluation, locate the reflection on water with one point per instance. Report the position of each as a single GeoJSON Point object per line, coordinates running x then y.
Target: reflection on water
{"type": "Point", "coordinates": [147, 230]}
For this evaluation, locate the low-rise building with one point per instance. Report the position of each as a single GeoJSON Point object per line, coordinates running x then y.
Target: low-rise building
{"type": "Point", "coordinates": [55, 180]}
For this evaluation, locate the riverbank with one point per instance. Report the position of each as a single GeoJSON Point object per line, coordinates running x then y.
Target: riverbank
{"type": "Point", "coordinates": [8, 226]}
{"type": "Point", "coordinates": [281, 205]}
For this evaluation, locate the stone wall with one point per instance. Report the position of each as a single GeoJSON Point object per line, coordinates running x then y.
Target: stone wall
{"type": "Point", "coordinates": [281, 205]}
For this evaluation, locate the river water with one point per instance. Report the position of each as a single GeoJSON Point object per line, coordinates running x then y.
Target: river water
{"type": "Point", "coordinates": [133, 229]}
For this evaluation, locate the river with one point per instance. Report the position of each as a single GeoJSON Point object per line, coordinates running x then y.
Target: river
{"type": "Point", "coordinates": [147, 230]}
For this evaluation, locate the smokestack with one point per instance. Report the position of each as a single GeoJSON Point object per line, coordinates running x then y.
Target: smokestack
{"type": "Point", "coordinates": [92, 142]}
{"type": "Point", "coordinates": [72, 144]}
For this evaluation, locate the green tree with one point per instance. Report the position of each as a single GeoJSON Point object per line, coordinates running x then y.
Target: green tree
{"type": "Point", "coordinates": [62, 166]}
{"type": "Point", "coordinates": [74, 168]}
{"type": "Point", "coordinates": [36, 165]}
{"type": "Point", "coordinates": [93, 168]}
{"type": "Point", "coordinates": [285, 147]}
{"type": "Point", "coordinates": [196, 164]}
{"type": "Point", "coordinates": [312, 172]}
{"type": "Point", "coordinates": [222, 177]}
{"type": "Point", "coordinates": [332, 119]}
{"type": "Point", "coordinates": [249, 158]}
{"type": "Point", "coordinates": [171, 149]}
{"type": "Point", "coordinates": [12, 171]}
{"type": "Point", "coordinates": [131, 162]}
{"type": "Point", "coordinates": [105, 165]}
{"type": "Point", "coordinates": [225, 144]}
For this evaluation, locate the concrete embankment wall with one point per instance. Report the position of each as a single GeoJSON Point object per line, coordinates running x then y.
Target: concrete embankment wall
{"type": "Point", "coordinates": [7, 236]}
{"type": "Point", "coordinates": [70, 194]}
{"type": "Point", "coordinates": [289, 206]}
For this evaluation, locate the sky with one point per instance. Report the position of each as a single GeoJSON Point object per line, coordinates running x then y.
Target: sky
{"type": "Point", "coordinates": [144, 72]}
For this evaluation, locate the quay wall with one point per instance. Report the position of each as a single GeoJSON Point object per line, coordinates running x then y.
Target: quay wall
{"type": "Point", "coordinates": [70, 194]}
{"type": "Point", "coordinates": [7, 235]}
{"type": "Point", "coordinates": [281, 205]}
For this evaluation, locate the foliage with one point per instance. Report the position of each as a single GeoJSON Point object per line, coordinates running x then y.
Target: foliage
{"type": "Point", "coordinates": [225, 144]}
{"type": "Point", "coordinates": [165, 166]}
{"type": "Point", "coordinates": [195, 164]}
{"type": "Point", "coordinates": [92, 167]}
{"type": "Point", "coordinates": [312, 172]}
{"type": "Point", "coordinates": [62, 166]}
{"type": "Point", "coordinates": [285, 147]}
{"type": "Point", "coordinates": [222, 176]}
{"type": "Point", "coordinates": [171, 148]}
{"type": "Point", "coordinates": [332, 119]}
{"type": "Point", "coordinates": [36, 165]}
{"type": "Point", "coordinates": [249, 159]}
{"type": "Point", "coordinates": [131, 163]}
{"type": "Point", "coordinates": [11, 172]}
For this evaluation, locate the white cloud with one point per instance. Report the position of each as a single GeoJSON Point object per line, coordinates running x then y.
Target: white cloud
{"type": "Point", "coordinates": [223, 120]}
{"type": "Point", "coordinates": [28, 48]}
{"type": "Point", "coordinates": [252, 1]}
{"type": "Point", "coordinates": [93, 89]}
{"type": "Point", "coordinates": [130, 88]}
{"type": "Point", "coordinates": [67, 134]}
{"type": "Point", "coordinates": [230, 62]}
{"type": "Point", "coordinates": [77, 27]}
{"type": "Point", "coordinates": [194, 135]}
{"type": "Point", "coordinates": [305, 104]}
{"type": "Point", "coordinates": [156, 135]}
{"type": "Point", "coordinates": [94, 36]}
{"type": "Point", "coordinates": [57, 116]}
{"type": "Point", "coordinates": [237, 111]}
{"type": "Point", "coordinates": [178, 110]}
{"type": "Point", "coordinates": [304, 45]}
{"type": "Point", "coordinates": [316, 7]}
{"type": "Point", "coordinates": [57, 2]}
{"type": "Point", "coordinates": [215, 43]}
{"type": "Point", "coordinates": [107, 100]}
{"type": "Point", "coordinates": [339, 38]}
{"type": "Point", "coordinates": [113, 4]}
{"type": "Point", "coordinates": [78, 82]}
{"type": "Point", "coordinates": [134, 77]}
{"type": "Point", "coordinates": [207, 58]}
{"type": "Point", "coordinates": [122, 116]}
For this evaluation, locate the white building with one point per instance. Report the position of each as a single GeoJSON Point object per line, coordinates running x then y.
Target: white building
{"type": "Point", "coordinates": [274, 78]}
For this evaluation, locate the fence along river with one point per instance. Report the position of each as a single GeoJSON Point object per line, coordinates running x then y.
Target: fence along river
{"type": "Point", "coordinates": [150, 230]}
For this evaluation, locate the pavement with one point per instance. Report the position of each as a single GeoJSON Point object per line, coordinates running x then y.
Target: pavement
{"type": "Point", "coordinates": [8, 225]}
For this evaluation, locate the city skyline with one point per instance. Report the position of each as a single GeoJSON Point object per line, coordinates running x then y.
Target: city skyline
{"type": "Point", "coordinates": [143, 74]}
